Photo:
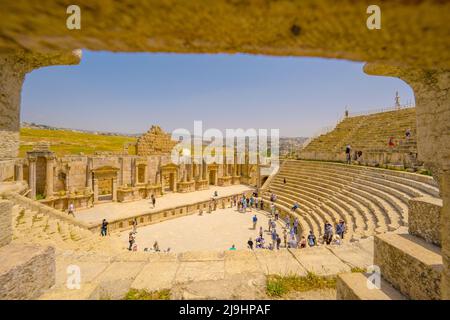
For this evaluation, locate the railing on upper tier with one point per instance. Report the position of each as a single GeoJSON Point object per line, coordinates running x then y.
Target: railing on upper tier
{"type": "Point", "coordinates": [380, 110]}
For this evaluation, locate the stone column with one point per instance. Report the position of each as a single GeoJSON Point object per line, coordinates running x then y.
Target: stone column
{"type": "Point", "coordinates": [89, 175]}
{"type": "Point", "coordinates": [432, 95]}
{"type": "Point", "coordinates": [50, 163]}
{"type": "Point", "coordinates": [114, 189]}
{"type": "Point", "coordinates": [32, 177]}
{"type": "Point", "coordinates": [67, 177]}
{"type": "Point", "coordinates": [121, 174]}
{"type": "Point", "coordinates": [133, 172]}
{"type": "Point", "coordinates": [204, 169]}
{"type": "Point", "coordinates": [191, 172]}
{"type": "Point", "coordinates": [95, 189]}
{"type": "Point", "coordinates": [19, 172]}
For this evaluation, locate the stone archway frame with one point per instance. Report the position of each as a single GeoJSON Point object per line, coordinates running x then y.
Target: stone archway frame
{"type": "Point", "coordinates": [414, 34]}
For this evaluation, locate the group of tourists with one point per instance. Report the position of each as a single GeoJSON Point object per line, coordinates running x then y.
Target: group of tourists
{"type": "Point", "coordinates": [340, 230]}
{"type": "Point", "coordinates": [246, 203]}
{"type": "Point", "coordinates": [348, 154]}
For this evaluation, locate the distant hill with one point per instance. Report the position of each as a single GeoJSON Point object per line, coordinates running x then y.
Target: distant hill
{"type": "Point", "coordinates": [291, 145]}
{"type": "Point", "coordinates": [33, 125]}
{"type": "Point", "coordinates": [70, 142]}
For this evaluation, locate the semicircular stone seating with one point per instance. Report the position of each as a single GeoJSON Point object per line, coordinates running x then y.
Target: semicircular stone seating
{"type": "Point", "coordinates": [370, 200]}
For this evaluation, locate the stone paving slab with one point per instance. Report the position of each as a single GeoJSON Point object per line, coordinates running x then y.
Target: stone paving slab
{"type": "Point", "coordinates": [88, 291]}
{"type": "Point", "coordinates": [116, 280]}
{"type": "Point", "coordinates": [240, 262]}
{"type": "Point", "coordinates": [156, 276]}
{"type": "Point", "coordinates": [320, 261]}
{"type": "Point", "coordinates": [279, 263]}
{"type": "Point", "coordinates": [201, 256]}
{"type": "Point", "coordinates": [200, 271]}
{"type": "Point", "coordinates": [353, 255]}
{"type": "Point", "coordinates": [88, 271]}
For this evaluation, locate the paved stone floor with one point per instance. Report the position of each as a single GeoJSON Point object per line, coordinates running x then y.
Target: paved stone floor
{"type": "Point", "coordinates": [116, 210]}
{"type": "Point", "coordinates": [210, 231]}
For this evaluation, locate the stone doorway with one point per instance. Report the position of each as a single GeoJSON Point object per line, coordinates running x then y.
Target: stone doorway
{"type": "Point", "coordinates": [169, 174]}
{"type": "Point", "coordinates": [212, 177]}
{"type": "Point", "coordinates": [169, 182]}
{"type": "Point", "coordinates": [105, 189]}
{"type": "Point", "coordinates": [104, 181]}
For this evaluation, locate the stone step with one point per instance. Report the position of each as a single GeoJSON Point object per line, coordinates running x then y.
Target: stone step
{"type": "Point", "coordinates": [354, 286]}
{"type": "Point", "coordinates": [410, 264]}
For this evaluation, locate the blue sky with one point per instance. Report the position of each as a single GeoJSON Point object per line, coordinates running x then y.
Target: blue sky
{"type": "Point", "coordinates": [128, 92]}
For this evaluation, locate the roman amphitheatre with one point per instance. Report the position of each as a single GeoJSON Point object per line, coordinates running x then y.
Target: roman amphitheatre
{"type": "Point", "coordinates": [394, 198]}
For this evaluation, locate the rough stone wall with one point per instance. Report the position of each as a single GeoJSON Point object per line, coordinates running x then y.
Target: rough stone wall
{"type": "Point", "coordinates": [5, 222]}
{"type": "Point", "coordinates": [411, 277]}
{"type": "Point", "coordinates": [424, 217]}
{"type": "Point", "coordinates": [155, 141]}
{"type": "Point", "coordinates": [26, 271]}
{"type": "Point", "coordinates": [413, 32]}
{"type": "Point", "coordinates": [6, 170]}
{"type": "Point", "coordinates": [432, 93]}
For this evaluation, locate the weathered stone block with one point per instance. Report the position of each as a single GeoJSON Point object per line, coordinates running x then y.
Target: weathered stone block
{"type": "Point", "coordinates": [25, 271]}
{"type": "Point", "coordinates": [410, 264]}
{"type": "Point", "coordinates": [353, 286]}
{"type": "Point", "coordinates": [424, 218]}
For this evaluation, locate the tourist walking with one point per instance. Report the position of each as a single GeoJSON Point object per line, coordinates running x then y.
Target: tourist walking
{"type": "Point", "coordinates": [408, 133]}
{"type": "Point", "coordinates": [131, 240]}
{"type": "Point", "coordinates": [104, 228]}
{"type": "Point", "coordinates": [270, 224]}
{"type": "Point", "coordinates": [255, 220]}
{"type": "Point", "coordinates": [261, 204]}
{"type": "Point", "coordinates": [135, 225]}
{"type": "Point", "coordinates": [295, 206]}
{"type": "Point", "coordinates": [250, 243]}
{"type": "Point", "coordinates": [277, 214]}
{"type": "Point", "coordinates": [274, 225]}
{"type": "Point", "coordinates": [278, 242]}
{"type": "Point", "coordinates": [288, 222]}
{"type": "Point", "coordinates": [328, 233]}
{"type": "Point", "coordinates": [261, 232]}
{"type": "Point", "coordinates": [303, 243]}
{"type": "Point", "coordinates": [71, 209]}
{"type": "Point", "coordinates": [348, 150]}
{"type": "Point", "coordinates": [285, 238]}
{"type": "Point", "coordinates": [274, 237]}
{"type": "Point", "coordinates": [311, 239]}
{"type": "Point", "coordinates": [340, 229]}
{"type": "Point", "coordinates": [296, 225]}
{"type": "Point", "coordinates": [153, 201]}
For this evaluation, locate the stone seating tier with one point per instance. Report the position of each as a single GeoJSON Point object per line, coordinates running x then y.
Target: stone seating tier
{"type": "Point", "coordinates": [369, 133]}
{"type": "Point", "coordinates": [370, 200]}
